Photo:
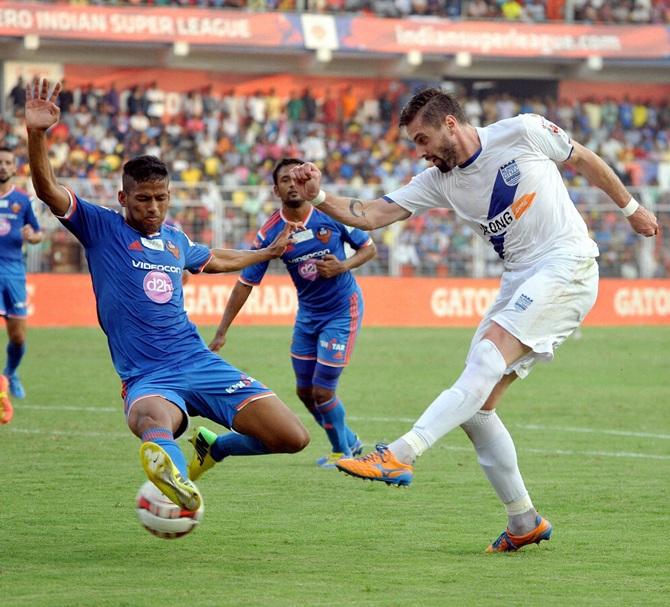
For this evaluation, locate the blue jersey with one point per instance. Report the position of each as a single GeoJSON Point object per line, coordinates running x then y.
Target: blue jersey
{"type": "Point", "coordinates": [137, 286]}
{"type": "Point", "coordinates": [322, 236]}
{"type": "Point", "coordinates": [15, 212]}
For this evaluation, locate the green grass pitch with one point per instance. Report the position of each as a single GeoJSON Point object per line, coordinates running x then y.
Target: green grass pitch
{"type": "Point", "coordinates": [593, 436]}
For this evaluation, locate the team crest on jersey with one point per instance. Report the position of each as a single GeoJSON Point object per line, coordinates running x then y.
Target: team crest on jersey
{"type": "Point", "coordinates": [172, 248]}
{"type": "Point", "coordinates": [324, 234]}
{"type": "Point", "coordinates": [16, 207]}
{"type": "Point", "coordinates": [510, 173]}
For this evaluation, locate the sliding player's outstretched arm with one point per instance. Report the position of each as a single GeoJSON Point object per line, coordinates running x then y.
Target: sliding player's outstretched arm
{"type": "Point", "coordinates": [231, 260]}
{"type": "Point", "coordinates": [364, 214]}
{"type": "Point", "coordinates": [41, 114]}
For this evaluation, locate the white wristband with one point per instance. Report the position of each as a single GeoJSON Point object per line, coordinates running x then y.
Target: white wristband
{"type": "Point", "coordinates": [320, 197]}
{"type": "Point", "coordinates": [630, 208]}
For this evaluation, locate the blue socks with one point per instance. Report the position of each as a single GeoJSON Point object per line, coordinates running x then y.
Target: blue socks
{"type": "Point", "coordinates": [165, 439]}
{"type": "Point", "coordinates": [340, 435]}
{"type": "Point", "coordinates": [15, 353]}
{"type": "Point", "coordinates": [233, 443]}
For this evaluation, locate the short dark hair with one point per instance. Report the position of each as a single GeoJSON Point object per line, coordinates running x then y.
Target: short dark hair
{"type": "Point", "coordinates": [6, 148]}
{"type": "Point", "coordinates": [434, 105]}
{"type": "Point", "coordinates": [284, 162]}
{"type": "Point", "coordinates": [142, 169]}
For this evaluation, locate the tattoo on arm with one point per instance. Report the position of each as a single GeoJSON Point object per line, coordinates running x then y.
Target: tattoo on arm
{"type": "Point", "coordinates": [356, 207]}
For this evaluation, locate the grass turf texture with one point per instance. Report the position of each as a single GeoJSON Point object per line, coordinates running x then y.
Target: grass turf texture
{"type": "Point", "coordinates": [279, 531]}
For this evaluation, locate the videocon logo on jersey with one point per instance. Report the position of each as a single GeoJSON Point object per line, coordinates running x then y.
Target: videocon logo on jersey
{"type": "Point", "coordinates": [158, 287]}
{"type": "Point", "coordinates": [504, 207]}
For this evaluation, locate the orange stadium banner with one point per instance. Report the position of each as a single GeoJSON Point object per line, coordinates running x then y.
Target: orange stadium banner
{"type": "Point", "coordinates": [66, 300]}
{"type": "Point", "coordinates": [361, 34]}
{"type": "Point", "coordinates": [506, 39]}
{"type": "Point", "coordinates": [144, 24]}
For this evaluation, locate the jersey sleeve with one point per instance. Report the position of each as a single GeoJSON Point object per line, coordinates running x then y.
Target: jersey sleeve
{"type": "Point", "coordinates": [253, 275]}
{"type": "Point", "coordinates": [547, 138]}
{"type": "Point", "coordinates": [88, 222]}
{"type": "Point", "coordinates": [422, 193]}
{"type": "Point", "coordinates": [196, 255]}
{"type": "Point", "coordinates": [29, 217]}
{"type": "Point", "coordinates": [355, 237]}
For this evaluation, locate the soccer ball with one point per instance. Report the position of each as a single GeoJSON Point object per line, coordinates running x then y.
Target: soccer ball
{"type": "Point", "coordinates": [160, 516]}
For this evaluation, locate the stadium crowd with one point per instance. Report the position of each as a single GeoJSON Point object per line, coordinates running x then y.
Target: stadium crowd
{"type": "Point", "coordinates": [233, 141]}
{"type": "Point", "coordinates": [591, 11]}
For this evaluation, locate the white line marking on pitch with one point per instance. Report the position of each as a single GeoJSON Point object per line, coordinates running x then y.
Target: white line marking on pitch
{"type": "Point", "coordinates": [567, 452]}
{"type": "Point", "coordinates": [407, 420]}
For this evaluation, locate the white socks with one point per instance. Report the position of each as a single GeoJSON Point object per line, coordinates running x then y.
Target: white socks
{"type": "Point", "coordinates": [484, 369]}
{"type": "Point", "coordinates": [497, 457]}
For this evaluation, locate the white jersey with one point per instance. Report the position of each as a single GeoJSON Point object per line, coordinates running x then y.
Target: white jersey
{"type": "Point", "coordinates": [510, 192]}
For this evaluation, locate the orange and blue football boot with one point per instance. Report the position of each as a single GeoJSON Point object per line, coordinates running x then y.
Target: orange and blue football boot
{"type": "Point", "coordinates": [380, 465]}
{"type": "Point", "coordinates": [507, 542]}
{"type": "Point", "coordinates": [6, 409]}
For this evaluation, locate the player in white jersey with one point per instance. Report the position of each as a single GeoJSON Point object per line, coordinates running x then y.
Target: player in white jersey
{"type": "Point", "coordinates": [503, 181]}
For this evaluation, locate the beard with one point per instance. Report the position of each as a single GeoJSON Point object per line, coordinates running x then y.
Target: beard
{"type": "Point", "coordinates": [445, 159]}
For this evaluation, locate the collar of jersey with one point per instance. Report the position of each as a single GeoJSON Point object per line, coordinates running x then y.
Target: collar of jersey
{"type": "Point", "coordinates": [472, 158]}
{"type": "Point", "coordinates": [8, 192]}
{"type": "Point", "coordinates": [304, 221]}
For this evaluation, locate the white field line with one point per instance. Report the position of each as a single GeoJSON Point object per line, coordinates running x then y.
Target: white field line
{"type": "Point", "coordinates": [567, 452]}
{"type": "Point", "coordinates": [388, 420]}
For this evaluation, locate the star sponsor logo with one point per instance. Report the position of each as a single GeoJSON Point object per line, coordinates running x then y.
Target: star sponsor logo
{"type": "Point", "coordinates": [244, 382]}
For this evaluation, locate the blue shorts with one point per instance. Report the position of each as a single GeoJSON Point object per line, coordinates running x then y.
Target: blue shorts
{"type": "Point", "coordinates": [206, 385]}
{"type": "Point", "coordinates": [329, 338]}
{"type": "Point", "coordinates": [13, 296]}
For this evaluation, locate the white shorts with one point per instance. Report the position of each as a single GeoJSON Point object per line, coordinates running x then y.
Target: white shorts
{"type": "Point", "coordinates": [542, 306]}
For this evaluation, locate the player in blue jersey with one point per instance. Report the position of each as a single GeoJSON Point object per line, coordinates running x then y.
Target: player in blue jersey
{"type": "Point", "coordinates": [17, 224]}
{"type": "Point", "coordinates": [136, 264]}
{"type": "Point", "coordinates": [330, 305]}
{"type": "Point", "coordinates": [503, 181]}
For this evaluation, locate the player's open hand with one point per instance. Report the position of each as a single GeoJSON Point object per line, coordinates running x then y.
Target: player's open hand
{"type": "Point", "coordinates": [329, 266]}
{"type": "Point", "coordinates": [29, 235]}
{"type": "Point", "coordinates": [41, 109]}
{"type": "Point", "coordinates": [218, 342]}
{"type": "Point", "coordinates": [307, 180]}
{"type": "Point", "coordinates": [644, 222]}
{"type": "Point", "coordinates": [279, 244]}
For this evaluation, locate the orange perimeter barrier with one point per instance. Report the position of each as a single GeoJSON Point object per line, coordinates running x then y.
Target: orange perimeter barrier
{"type": "Point", "coordinates": [66, 300]}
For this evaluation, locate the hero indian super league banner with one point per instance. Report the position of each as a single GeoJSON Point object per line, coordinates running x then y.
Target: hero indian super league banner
{"type": "Point", "coordinates": [195, 26]}
{"type": "Point", "coordinates": [360, 34]}
{"type": "Point", "coordinates": [66, 300]}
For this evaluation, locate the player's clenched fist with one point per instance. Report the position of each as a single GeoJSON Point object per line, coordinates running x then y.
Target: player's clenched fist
{"type": "Point", "coordinates": [307, 180]}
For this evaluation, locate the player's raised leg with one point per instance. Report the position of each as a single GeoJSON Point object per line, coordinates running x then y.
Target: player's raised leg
{"type": "Point", "coordinates": [264, 425]}
{"type": "Point", "coordinates": [484, 368]}
{"type": "Point", "coordinates": [155, 420]}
